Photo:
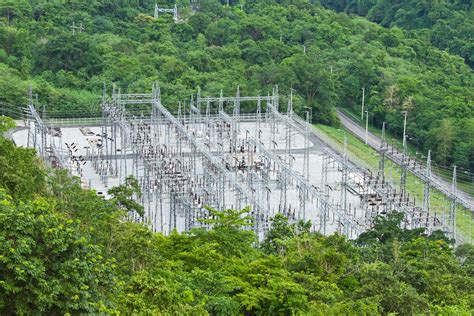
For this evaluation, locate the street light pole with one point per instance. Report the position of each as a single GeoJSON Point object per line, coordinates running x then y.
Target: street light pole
{"type": "Point", "coordinates": [405, 127]}
{"type": "Point", "coordinates": [366, 126]}
{"type": "Point", "coordinates": [363, 103]}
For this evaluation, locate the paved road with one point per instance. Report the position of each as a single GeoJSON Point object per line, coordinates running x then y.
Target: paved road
{"type": "Point", "coordinates": [414, 167]}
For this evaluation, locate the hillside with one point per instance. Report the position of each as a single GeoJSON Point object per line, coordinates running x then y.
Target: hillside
{"type": "Point", "coordinates": [448, 25]}
{"type": "Point", "coordinates": [222, 47]}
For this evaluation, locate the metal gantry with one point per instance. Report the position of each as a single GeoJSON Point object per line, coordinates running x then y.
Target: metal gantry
{"type": "Point", "coordinates": [227, 152]}
{"type": "Point", "coordinates": [173, 10]}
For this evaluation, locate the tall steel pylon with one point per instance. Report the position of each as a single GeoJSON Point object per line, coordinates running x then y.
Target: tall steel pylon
{"type": "Point", "coordinates": [382, 150]}
{"type": "Point", "coordinates": [403, 177]}
{"type": "Point", "coordinates": [159, 10]}
{"type": "Point", "coordinates": [31, 135]}
{"type": "Point", "coordinates": [237, 105]}
{"type": "Point", "coordinates": [306, 148]}
{"type": "Point", "coordinates": [426, 191]}
{"type": "Point", "coordinates": [453, 207]}
{"type": "Point", "coordinates": [344, 178]}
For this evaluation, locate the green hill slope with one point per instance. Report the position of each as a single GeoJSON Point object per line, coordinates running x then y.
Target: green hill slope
{"type": "Point", "coordinates": [222, 47]}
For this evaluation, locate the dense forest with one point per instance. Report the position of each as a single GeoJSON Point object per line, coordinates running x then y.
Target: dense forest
{"type": "Point", "coordinates": [449, 25]}
{"type": "Point", "coordinates": [325, 56]}
{"type": "Point", "coordinates": [64, 250]}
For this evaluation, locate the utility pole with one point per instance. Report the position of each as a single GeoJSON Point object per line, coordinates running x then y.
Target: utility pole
{"type": "Point", "coordinates": [405, 113]}
{"type": "Point", "coordinates": [43, 130]}
{"type": "Point", "coordinates": [383, 149]}
{"type": "Point", "coordinates": [175, 13]}
{"type": "Point", "coordinates": [74, 27]}
{"type": "Point", "coordinates": [426, 192]}
{"type": "Point", "coordinates": [363, 103]}
{"type": "Point", "coordinates": [306, 148]}
{"type": "Point", "coordinates": [30, 103]}
{"type": "Point", "coordinates": [344, 187]}
{"type": "Point", "coordinates": [366, 126]}
{"type": "Point", "coordinates": [453, 209]}
{"type": "Point", "coordinates": [403, 177]}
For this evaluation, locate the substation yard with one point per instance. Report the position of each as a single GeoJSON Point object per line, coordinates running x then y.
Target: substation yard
{"type": "Point", "coordinates": [211, 154]}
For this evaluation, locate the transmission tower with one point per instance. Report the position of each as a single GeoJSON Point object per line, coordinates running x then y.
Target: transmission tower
{"type": "Point", "coordinates": [74, 28]}
{"type": "Point", "coordinates": [383, 149]}
{"type": "Point", "coordinates": [453, 208]}
{"type": "Point", "coordinates": [426, 192]}
{"type": "Point", "coordinates": [404, 165]}
{"type": "Point", "coordinates": [159, 10]}
{"type": "Point", "coordinates": [344, 178]}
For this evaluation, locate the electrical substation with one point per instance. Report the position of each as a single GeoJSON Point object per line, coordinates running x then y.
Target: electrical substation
{"type": "Point", "coordinates": [212, 154]}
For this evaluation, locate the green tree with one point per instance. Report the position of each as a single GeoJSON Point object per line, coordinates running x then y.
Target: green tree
{"type": "Point", "coordinates": [11, 9]}
{"type": "Point", "coordinates": [316, 82]}
{"type": "Point", "coordinates": [124, 195]}
{"type": "Point", "coordinates": [444, 137]}
{"type": "Point", "coordinates": [378, 281]}
{"type": "Point", "coordinates": [47, 265]}
{"type": "Point", "coordinates": [6, 124]}
{"type": "Point", "coordinates": [21, 175]}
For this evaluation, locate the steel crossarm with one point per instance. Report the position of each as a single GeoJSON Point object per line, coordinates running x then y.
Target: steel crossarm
{"type": "Point", "coordinates": [234, 99]}
{"type": "Point", "coordinates": [165, 10]}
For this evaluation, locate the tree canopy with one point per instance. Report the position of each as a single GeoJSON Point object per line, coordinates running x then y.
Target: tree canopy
{"type": "Point", "coordinates": [447, 24]}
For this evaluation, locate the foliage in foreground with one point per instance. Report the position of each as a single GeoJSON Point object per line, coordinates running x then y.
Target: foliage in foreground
{"type": "Point", "coordinates": [65, 250]}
